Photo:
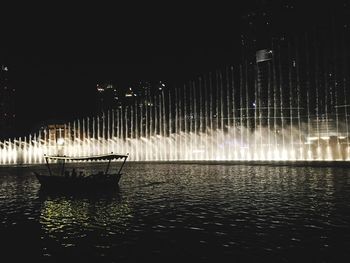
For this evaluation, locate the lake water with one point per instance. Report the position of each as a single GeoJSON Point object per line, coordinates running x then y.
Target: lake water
{"type": "Point", "coordinates": [178, 212]}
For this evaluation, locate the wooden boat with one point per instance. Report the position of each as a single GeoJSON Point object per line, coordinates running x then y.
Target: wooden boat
{"type": "Point", "coordinates": [64, 179]}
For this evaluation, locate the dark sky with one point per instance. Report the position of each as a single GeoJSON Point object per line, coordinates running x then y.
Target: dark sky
{"type": "Point", "coordinates": [57, 54]}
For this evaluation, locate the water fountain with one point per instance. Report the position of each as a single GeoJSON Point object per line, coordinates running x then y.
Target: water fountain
{"type": "Point", "coordinates": [293, 107]}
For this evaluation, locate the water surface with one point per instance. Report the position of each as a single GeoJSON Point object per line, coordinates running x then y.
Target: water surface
{"type": "Point", "coordinates": [173, 212]}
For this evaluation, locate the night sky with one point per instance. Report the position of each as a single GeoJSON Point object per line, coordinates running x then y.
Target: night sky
{"type": "Point", "coordinates": [57, 56]}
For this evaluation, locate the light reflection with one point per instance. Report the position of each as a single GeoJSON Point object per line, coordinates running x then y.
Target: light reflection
{"type": "Point", "coordinates": [75, 215]}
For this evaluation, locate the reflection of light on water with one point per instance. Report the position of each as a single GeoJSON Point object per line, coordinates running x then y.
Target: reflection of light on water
{"type": "Point", "coordinates": [202, 197]}
{"type": "Point", "coordinates": [60, 217]}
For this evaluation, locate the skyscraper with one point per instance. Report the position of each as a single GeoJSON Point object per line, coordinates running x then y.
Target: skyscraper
{"type": "Point", "coordinates": [299, 55]}
{"type": "Point", "coordinates": [7, 114]}
{"type": "Point", "coordinates": [108, 96]}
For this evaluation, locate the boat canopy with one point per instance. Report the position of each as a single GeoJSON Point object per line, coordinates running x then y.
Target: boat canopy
{"type": "Point", "coordinates": [87, 158]}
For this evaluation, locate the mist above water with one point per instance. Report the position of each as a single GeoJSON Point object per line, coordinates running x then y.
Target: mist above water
{"type": "Point", "coordinates": [291, 103]}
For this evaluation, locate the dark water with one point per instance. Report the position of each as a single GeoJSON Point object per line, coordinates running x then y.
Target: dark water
{"type": "Point", "coordinates": [173, 213]}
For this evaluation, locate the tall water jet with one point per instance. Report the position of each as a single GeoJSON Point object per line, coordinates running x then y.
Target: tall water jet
{"type": "Point", "coordinates": [292, 107]}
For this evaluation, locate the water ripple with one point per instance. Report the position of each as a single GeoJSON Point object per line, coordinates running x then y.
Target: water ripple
{"type": "Point", "coordinates": [194, 210]}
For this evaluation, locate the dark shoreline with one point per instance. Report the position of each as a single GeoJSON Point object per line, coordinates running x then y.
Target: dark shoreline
{"type": "Point", "coordinates": [316, 163]}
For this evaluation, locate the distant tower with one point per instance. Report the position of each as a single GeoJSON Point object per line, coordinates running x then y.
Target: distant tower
{"type": "Point", "coordinates": [265, 27]}
{"type": "Point", "coordinates": [138, 92]}
{"type": "Point", "coordinates": [263, 73]}
{"type": "Point", "coordinates": [7, 114]}
{"type": "Point", "coordinates": [264, 21]}
{"type": "Point", "coordinates": [108, 97]}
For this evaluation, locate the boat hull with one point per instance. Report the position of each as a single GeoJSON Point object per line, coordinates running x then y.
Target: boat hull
{"type": "Point", "coordinates": [78, 183]}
